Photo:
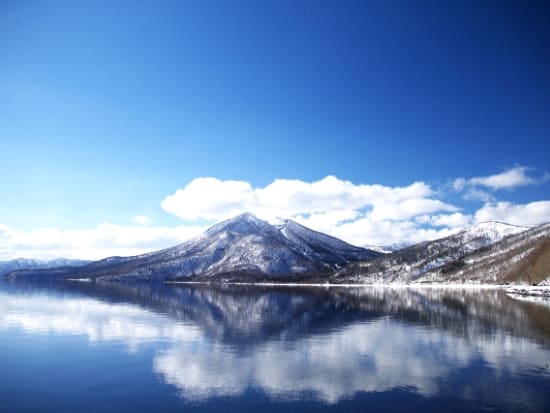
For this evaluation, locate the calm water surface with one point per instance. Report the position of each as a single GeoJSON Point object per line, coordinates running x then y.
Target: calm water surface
{"type": "Point", "coordinates": [79, 347]}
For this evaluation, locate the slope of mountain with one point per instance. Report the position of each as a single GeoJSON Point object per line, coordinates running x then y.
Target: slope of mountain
{"type": "Point", "coordinates": [31, 264]}
{"type": "Point", "coordinates": [486, 253]}
{"type": "Point", "coordinates": [246, 248]}
{"type": "Point", "coordinates": [323, 247]}
{"type": "Point", "coordinates": [388, 248]}
{"type": "Point", "coordinates": [242, 248]}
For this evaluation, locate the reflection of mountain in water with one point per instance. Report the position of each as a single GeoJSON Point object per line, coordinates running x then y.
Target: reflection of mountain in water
{"type": "Point", "coordinates": [330, 344]}
{"type": "Point", "coordinates": [248, 313]}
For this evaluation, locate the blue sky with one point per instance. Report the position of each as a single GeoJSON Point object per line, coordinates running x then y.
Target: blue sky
{"type": "Point", "coordinates": [107, 108]}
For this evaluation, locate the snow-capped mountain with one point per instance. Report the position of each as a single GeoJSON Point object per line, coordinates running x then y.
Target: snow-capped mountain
{"type": "Point", "coordinates": [30, 264]}
{"type": "Point", "coordinates": [485, 253]}
{"type": "Point", "coordinates": [475, 236]}
{"type": "Point", "coordinates": [243, 247]}
{"type": "Point", "coordinates": [321, 246]}
{"type": "Point", "coordinates": [487, 233]}
{"type": "Point", "coordinates": [246, 248]}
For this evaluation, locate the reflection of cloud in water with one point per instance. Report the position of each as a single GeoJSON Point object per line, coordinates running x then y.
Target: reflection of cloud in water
{"type": "Point", "coordinates": [99, 321]}
{"type": "Point", "coordinates": [332, 364]}
{"type": "Point", "coordinates": [366, 357]}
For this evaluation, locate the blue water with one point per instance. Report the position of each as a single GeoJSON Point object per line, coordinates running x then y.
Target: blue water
{"type": "Point", "coordinates": [80, 347]}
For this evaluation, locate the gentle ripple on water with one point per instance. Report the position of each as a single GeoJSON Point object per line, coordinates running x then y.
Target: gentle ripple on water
{"type": "Point", "coordinates": [80, 347]}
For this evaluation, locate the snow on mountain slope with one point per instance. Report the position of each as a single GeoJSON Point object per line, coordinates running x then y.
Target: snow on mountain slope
{"type": "Point", "coordinates": [420, 262]}
{"type": "Point", "coordinates": [522, 258]}
{"type": "Point", "coordinates": [244, 246]}
{"type": "Point", "coordinates": [322, 246]}
{"type": "Point", "coordinates": [487, 233]}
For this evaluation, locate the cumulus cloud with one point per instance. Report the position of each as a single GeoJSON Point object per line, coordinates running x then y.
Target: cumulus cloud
{"type": "Point", "coordinates": [509, 179]}
{"type": "Point", "coordinates": [475, 194]}
{"type": "Point", "coordinates": [456, 220]}
{"type": "Point", "coordinates": [530, 214]}
{"type": "Point", "coordinates": [214, 199]}
{"type": "Point", "coordinates": [512, 178]}
{"type": "Point", "coordinates": [368, 231]}
{"type": "Point", "coordinates": [143, 220]}
{"type": "Point", "coordinates": [358, 213]}
{"type": "Point", "coordinates": [94, 243]}
{"type": "Point", "coordinates": [210, 198]}
{"type": "Point", "coordinates": [361, 214]}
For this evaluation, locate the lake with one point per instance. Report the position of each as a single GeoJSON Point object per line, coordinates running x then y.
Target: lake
{"type": "Point", "coordinates": [82, 347]}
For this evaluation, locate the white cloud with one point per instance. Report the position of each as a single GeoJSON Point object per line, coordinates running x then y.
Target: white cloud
{"type": "Point", "coordinates": [210, 198]}
{"type": "Point", "coordinates": [358, 213]}
{"type": "Point", "coordinates": [94, 243]}
{"type": "Point", "coordinates": [530, 214]}
{"type": "Point", "coordinates": [475, 194]}
{"type": "Point", "coordinates": [327, 221]}
{"type": "Point", "coordinates": [456, 220]}
{"type": "Point", "coordinates": [512, 178]}
{"type": "Point", "coordinates": [143, 220]}
{"type": "Point", "coordinates": [458, 184]}
{"type": "Point", "coordinates": [362, 214]}
{"type": "Point", "coordinates": [367, 231]}
{"type": "Point", "coordinates": [409, 208]}
{"type": "Point", "coordinates": [509, 179]}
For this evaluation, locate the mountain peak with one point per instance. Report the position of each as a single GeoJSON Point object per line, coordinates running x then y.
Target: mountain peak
{"type": "Point", "coordinates": [245, 216]}
{"type": "Point", "coordinates": [242, 224]}
{"type": "Point", "coordinates": [492, 230]}
{"type": "Point", "coordinates": [241, 248]}
{"type": "Point", "coordinates": [287, 222]}
{"type": "Point", "coordinates": [496, 224]}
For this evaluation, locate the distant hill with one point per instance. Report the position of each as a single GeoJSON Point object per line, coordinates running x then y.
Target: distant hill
{"type": "Point", "coordinates": [486, 253]}
{"type": "Point", "coordinates": [30, 264]}
{"type": "Point", "coordinates": [248, 249]}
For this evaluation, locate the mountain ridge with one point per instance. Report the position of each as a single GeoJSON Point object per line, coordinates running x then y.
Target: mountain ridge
{"type": "Point", "coordinates": [238, 247]}
{"type": "Point", "coordinates": [248, 249]}
{"type": "Point", "coordinates": [470, 256]}
{"type": "Point", "coordinates": [8, 266]}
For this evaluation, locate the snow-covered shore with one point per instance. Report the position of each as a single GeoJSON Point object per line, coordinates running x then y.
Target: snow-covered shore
{"type": "Point", "coordinates": [518, 289]}
{"type": "Point", "coordinates": [539, 293]}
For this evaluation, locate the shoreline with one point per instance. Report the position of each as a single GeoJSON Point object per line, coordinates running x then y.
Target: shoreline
{"type": "Point", "coordinates": [538, 293]}
{"type": "Point", "coordinates": [347, 285]}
